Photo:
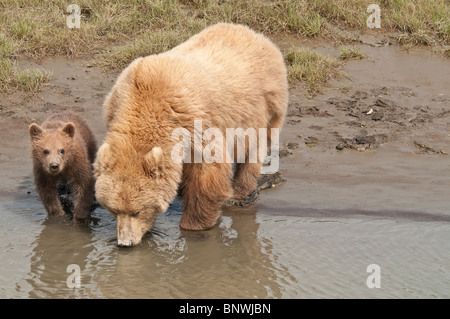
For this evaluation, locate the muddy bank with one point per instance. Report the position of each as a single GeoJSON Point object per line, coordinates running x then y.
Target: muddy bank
{"type": "Point", "coordinates": [390, 110]}
{"type": "Point", "coordinates": [377, 138]}
{"type": "Point", "coordinates": [389, 98]}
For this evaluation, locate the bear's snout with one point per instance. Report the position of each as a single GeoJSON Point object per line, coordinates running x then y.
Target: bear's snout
{"type": "Point", "coordinates": [54, 167]}
{"type": "Point", "coordinates": [128, 231]}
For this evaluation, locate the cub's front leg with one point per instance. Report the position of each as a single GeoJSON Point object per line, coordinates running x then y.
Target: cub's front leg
{"type": "Point", "coordinates": [47, 189]}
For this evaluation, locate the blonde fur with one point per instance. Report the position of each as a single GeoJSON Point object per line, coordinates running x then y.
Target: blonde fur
{"type": "Point", "coordinates": [228, 76]}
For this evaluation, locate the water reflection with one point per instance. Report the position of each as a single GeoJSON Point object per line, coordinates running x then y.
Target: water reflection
{"type": "Point", "coordinates": [254, 252]}
{"type": "Point", "coordinates": [59, 244]}
{"type": "Point", "coordinates": [228, 261]}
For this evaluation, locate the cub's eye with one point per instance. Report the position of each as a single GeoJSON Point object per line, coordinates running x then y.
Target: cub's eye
{"type": "Point", "coordinates": [61, 151]}
{"type": "Point", "coordinates": [46, 152]}
{"type": "Point", "coordinates": [135, 214]}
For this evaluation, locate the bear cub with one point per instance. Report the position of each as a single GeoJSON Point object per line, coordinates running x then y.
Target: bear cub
{"type": "Point", "coordinates": [63, 150]}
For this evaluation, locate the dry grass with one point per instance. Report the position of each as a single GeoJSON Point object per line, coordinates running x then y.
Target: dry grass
{"type": "Point", "coordinates": [148, 43]}
{"type": "Point", "coordinates": [38, 28]}
{"type": "Point", "coordinates": [7, 46]}
{"type": "Point", "coordinates": [117, 31]}
{"type": "Point", "coordinates": [420, 21]}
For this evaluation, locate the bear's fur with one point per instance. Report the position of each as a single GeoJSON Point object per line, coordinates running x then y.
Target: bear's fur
{"type": "Point", "coordinates": [63, 150]}
{"type": "Point", "coordinates": [228, 76]}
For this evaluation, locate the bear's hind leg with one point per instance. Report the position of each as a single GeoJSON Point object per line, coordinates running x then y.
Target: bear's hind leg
{"type": "Point", "coordinates": [245, 180]}
{"type": "Point", "coordinates": [204, 189]}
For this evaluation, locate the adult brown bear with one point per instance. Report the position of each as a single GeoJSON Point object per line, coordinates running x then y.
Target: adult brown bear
{"type": "Point", "coordinates": [227, 76]}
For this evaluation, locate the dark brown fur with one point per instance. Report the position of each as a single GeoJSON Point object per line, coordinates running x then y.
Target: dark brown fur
{"type": "Point", "coordinates": [63, 149]}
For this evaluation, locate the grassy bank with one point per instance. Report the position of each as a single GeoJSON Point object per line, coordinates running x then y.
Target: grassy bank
{"type": "Point", "coordinates": [28, 80]}
{"type": "Point", "coordinates": [117, 31]}
{"type": "Point", "coordinates": [38, 28]}
{"type": "Point", "coordinates": [12, 78]}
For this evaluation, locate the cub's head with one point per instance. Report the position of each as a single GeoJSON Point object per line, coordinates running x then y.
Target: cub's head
{"type": "Point", "coordinates": [52, 148]}
{"type": "Point", "coordinates": [135, 187]}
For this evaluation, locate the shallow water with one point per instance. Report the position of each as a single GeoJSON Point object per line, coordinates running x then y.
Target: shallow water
{"type": "Point", "coordinates": [259, 252]}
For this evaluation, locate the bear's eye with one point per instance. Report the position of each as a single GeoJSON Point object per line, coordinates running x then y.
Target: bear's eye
{"type": "Point", "coordinates": [46, 152]}
{"type": "Point", "coordinates": [61, 151]}
{"type": "Point", "coordinates": [135, 214]}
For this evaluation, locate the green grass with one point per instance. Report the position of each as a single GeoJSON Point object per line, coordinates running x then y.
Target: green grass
{"type": "Point", "coordinates": [7, 46]}
{"type": "Point", "coordinates": [351, 53]}
{"type": "Point", "coordinates": [30, 80]}
{"type": "Point", "coordinates": [22, 28]}
{"type": "Point", "coordinates": [312, 68]}
{"type": "Point", "coordinates": [13, 79]}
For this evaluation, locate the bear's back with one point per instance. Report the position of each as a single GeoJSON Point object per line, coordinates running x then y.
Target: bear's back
{"type": "Point", "coordinates": [233, 49]}
{"type": "Point", "coordinates": [224, 75]}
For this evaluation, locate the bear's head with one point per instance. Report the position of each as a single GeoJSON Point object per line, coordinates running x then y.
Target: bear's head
{"type": "Point", "coordinates": [52, 148]}
{"type": "Point", "coordinates": [135, 186]}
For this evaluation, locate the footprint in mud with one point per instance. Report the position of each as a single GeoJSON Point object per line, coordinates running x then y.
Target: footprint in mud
{"type": "Point", "coordinates": [295, 110]}
{"type": "Point", "coordinates": [288, 149]}
{"type": "Point", "coordinates": [362, 141]}
{"type": "Point", "coordinates": [427, 149]}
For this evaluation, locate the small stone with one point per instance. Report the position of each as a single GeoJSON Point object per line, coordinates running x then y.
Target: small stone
{"type": "Point", "coordinates": [376, 116]}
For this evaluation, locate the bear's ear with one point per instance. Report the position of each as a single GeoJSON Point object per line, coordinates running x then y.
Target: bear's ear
{"type": "Point", "coordinates": [35, 130]}
{"type": "Point", "coordinates": [103, 153]}
{"type": "Point", "coordinates": [153, 162]}
{"type": "Point", "coordinates": [69, 129]}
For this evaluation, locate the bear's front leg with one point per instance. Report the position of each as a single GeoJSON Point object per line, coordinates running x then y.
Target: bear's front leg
{"type": "Point", "coordinates": [47, 190]}
{"type": "Point", "coordinates": [204, 189]}
{"type": "Point", "coordinates": [82, 192]}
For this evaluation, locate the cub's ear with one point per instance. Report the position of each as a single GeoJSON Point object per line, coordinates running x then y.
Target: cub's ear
{"type": "Point", "coordinates": [153, 162]}
{"type": "Point", "coordinates": [69, 129]}
{"type": "Point", "coordinates": [35, 130]}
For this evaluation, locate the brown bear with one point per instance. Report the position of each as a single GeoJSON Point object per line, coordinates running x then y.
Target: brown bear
{"type": "Point", "coordinates": [227, 76]}
{"type": "Point", "coordinates": [63, 150]}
